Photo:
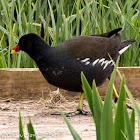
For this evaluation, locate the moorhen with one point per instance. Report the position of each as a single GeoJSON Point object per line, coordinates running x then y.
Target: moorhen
{"type": "Point", "coordinates": [62, 65]}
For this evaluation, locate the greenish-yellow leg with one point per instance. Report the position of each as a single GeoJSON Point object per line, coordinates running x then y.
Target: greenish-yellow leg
{"type": "Point", "coordinates": [79, 108]}
{"type": "Point", "coordinates": [117, 96]}
{"type": "Point", "coordinates": [115, 92]}
{"type": "Point", "coordinates": [80, 101]}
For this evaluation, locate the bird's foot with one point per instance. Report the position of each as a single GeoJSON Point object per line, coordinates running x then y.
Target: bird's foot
{"type": "Point", "coordinates": [128, 106]}
{"type": "Point", "coordinates": [77, 112]}
{"type": "Point", "coordinates": [115, 100]}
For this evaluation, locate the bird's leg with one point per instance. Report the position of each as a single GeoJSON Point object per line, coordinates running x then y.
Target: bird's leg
{"type": "Point", "coordinates": [80, 101]}
{"type": "Point", "coordinates": [117, 96]}
{"type": "Point", "coordinates": [115, 93]}
{"type": "Point", "coordinates": [79, 108]}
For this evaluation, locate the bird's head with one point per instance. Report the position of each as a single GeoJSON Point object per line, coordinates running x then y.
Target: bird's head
{"type": "Point", "coordinates": [30, 43]}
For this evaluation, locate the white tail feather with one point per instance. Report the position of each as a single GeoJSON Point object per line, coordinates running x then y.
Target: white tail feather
{"type": "Point", "coordinates": [124, 49]}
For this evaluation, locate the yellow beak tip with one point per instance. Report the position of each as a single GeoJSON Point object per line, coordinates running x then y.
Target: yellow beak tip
{"type": "Point", "coordinates": [13, 51]}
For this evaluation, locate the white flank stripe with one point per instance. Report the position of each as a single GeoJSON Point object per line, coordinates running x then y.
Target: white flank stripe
{"type": "Point", "coordinates": [95, 62]}
{"type": "Point", "coordinates": [104, 62]}
{"type": "Point", "coordinates": [124, 49]}
{"type": "Point", "coordinates": [109, 62]}
{"type": "Point", "coordinates": [87, 63]}
{"type": "Point", "coordinates": [101, 60]}
{"type": "Point", "coordinates": [86, 59]}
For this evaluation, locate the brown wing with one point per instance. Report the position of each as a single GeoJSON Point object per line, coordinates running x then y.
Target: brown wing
{"type": "Point", "coordinates": [92, 46]}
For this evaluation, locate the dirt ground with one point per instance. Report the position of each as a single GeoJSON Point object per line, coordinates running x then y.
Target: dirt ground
{"type": "Point", "coordinates": [51, 127]}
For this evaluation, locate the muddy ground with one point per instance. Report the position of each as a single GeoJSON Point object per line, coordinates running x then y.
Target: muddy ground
{"type": "Point", "coordinates": [51, 127]}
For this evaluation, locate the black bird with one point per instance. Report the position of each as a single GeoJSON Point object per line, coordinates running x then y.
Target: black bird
{"type": "Point", "coordinates": [62, 65]}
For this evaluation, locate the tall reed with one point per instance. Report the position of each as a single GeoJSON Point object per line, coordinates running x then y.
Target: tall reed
{"type": "Point", "coordinates": [65, 19]}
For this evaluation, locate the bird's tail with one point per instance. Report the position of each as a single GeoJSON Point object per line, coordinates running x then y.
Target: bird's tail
{"type": "Point", "coordinates": [115, 31]}
{"type": "Point", "coordinates": [125, 45]}
{"type": "Point", "coordinates": [109, 34]}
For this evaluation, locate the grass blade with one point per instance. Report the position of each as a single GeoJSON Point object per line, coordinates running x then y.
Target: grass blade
{"type": "Point", "coordinates": [21, 133]}
{"type": "Point", "coordinates": [119, 115]}
{"type": "Point", "coordinates": [97, 109]}
{"type": "Point", "coordinates": [114, 106]}
{"type": "Point", "coordinates": [88, 92]}
{"type": "Point", "coordinates": [133, 120]}
{"type": "Point", "coordinates": [128, 125]}
{"type": "Point", "coordinates": [137, 110]}
{"type": "Point", "coordinates": [139, 129]}
{"type": "Point", "coordinates": [31, 131]}
{"type": "Point", "coordinates": [73, 132]}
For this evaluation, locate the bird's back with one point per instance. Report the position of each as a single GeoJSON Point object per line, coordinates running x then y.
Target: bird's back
{"type": "Point", "coordinates": [93, 47]}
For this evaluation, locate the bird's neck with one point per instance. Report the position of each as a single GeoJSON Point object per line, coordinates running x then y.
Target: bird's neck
{"type": "Point", "coordinates": [39, 51]}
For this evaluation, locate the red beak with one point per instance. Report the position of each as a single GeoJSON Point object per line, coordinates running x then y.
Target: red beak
{"type": "Point", "coordinates": [15, 49]}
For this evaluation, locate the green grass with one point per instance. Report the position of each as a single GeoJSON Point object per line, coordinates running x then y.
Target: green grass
{"type": "Point", "coordinates": [65, 19]}
{"type": "Point", "coordinates": [30, 129]}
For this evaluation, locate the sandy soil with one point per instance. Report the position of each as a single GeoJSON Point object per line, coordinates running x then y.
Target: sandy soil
{"type": "Point", "coordinates": [51, 127]}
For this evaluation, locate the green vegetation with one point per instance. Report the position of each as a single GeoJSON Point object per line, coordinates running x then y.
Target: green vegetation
{"type": "Point", "coordinates": [62, 20]}
{"type": "Point", "coordinates": [31, 132]}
